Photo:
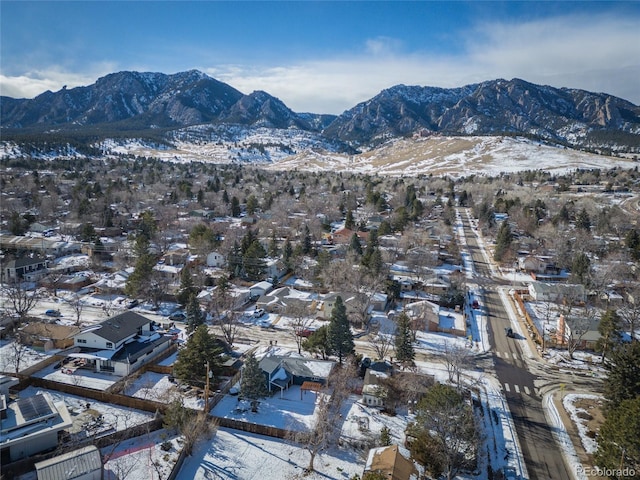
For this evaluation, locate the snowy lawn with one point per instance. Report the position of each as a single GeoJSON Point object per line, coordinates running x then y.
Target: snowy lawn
{"type": "Point", "coordinates": [142, 458]}
{"type": "Point", "coordinates": [9, 356]}
{"type": "Point", "coordinates": [293, 411]}
{"type": "Point", "coordinates": [236, 455]}
{"type": "Point", "coordinates": [153, 386]}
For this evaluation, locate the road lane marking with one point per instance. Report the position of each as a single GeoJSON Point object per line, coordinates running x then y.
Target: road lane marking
{"type": "Point", "coordinates": [506, 387]}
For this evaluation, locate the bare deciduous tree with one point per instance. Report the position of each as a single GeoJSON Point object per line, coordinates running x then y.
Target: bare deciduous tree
{"type": "Point", "coordinates": [21, 299]}
{"type": "Point", "coordinates": [301, 322]}
{"type": "Point", "coordinates": [76, 304]}
{"type": "Point", "coordinates": [382, 342]}
{"type": "Point", "coordinates": [630, 311]}
{"type": "Point", "coordinates": [326, 431]}
{"type": "Point", "coordinates": [455, 358]}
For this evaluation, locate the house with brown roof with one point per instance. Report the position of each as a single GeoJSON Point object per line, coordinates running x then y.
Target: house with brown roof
{"type": "Point", "coordinates": [391, 463]}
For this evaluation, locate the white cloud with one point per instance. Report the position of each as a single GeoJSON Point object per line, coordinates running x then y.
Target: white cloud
{"type": "Point", "coordinates": [35, 82]}
{"type": "Point", "coordinates": [594, 53]}
{"type": "Point", "coordinates": [599, 54]}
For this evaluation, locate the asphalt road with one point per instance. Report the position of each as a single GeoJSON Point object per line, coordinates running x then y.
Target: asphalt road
{"type": "Point", "coordinates": [542, 456]}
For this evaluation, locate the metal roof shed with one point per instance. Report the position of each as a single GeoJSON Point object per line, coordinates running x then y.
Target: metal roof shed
{"type": "Point", "coordinates": [82, 464]}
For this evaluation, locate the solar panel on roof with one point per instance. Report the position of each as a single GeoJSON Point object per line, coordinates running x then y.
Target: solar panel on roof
{"type": "Point", "coordinates": [34, 407]}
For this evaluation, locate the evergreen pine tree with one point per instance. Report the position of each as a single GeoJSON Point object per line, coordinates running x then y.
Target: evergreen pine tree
{"type": "Point", "coordinates": [403, 343]}
{"type": "Point", "coordinates": [195, 315]}
{"type": "Point", "coordinates": [503, 241]}
{"type": "Point", "coordinates": [187, 287]}
{"type": "Point", "coordinates": [339, 336]}
{"type": "Point", "coordinates": [623, 380]}
{"type": "Point", "coordinates": [354, 244]}
{"type": "Point", "coordinates": [385, 436]}
{"type": "Point", "coordinates": [201, 348]}
{"type": "Point", "coordinates": [254, 260]}
{"type": "Point", "coordinates": [252, 384]}
{"type": "Point", "coordinates": [581, 268]}
{"type": "Point", "coordinates": [618, 445]}
{"type": "Point", "coordinates": [306, 240]}
{"type": "Point", "coordinates": [349, 222]}
{"type": "Point", "coordinates": [609, 329]}
{"type": "Point", "coordinates": [273, 245]}
{"type": "Point", "coordinates": [583, 221]}
{"type": "Point", "coordinates": [287, 253]}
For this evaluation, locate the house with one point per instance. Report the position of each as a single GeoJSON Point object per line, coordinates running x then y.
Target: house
{"type": "Point", "coordinates": [390, 462]}
{"type": "Point", "coordinates": [37, 245]}
{"type": "Point", "coordinates": [82, 464]}
{"type": "Point", "coordinates": [352, 303]}
{"type": "Point", "coordinates": [72, 283]}
{"type": "Point", "coordinates": [557, 292]}
{"type": "Point", "coordinates": [343, 236]}
{"type": "Point", "coordinates": [31, 425]}
{"type": "Point", "coordinates": [282, 371]}
{"type": "Point", "coordinates": [541, 268]}
{"type": "Point", "coordinates": [260, 289]}
{"type": "Point", "coordinates": [215, 259]}
{"type": "Point", "coordinates": [26, 268]}
{"type": "Point", "coordinates": [577, 329]}
{"type": "Point", "coordinates": [48, 336]}
{"type": "Point", "coordinates": [119, 344]}
{"type": "Point", "coordinates": [275, 269]}
{"type": "Point", "coordinates": [281, 299]}
{"type": "Point", "coordinates": [373, 392]}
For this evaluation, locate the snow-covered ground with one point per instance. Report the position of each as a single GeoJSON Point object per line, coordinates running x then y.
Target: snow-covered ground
{"type": "Point", "coordinates": [580, 416]}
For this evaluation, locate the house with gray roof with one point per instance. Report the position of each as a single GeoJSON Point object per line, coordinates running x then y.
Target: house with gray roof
{"type": "Point", "coordinates": [283, 371]}
{"type": "Point", "coordinates": [119, 344]}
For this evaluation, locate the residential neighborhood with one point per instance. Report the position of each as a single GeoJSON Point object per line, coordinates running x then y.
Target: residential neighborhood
{"type": "Point", "coordinates": [323, 318]}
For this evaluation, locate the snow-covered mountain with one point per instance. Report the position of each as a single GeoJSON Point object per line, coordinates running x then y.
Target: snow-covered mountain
{"type": "Point", "coordinates": [573, 117]}
{"type": "Point", "coordinates": [182, 106]}
{"type": "Point", "coordinates": [136, 101]}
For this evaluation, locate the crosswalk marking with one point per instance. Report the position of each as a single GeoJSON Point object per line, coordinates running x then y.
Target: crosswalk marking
{"type": "Point", "coordinates": [515, 356]}
{"type": "Point", "coordinates": [518, 389]}
{"type": "Point", "coordinates": [499, 354]}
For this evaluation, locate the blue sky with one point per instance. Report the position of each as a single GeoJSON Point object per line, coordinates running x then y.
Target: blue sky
{"type": "Point", "coordinates": [323, 57]}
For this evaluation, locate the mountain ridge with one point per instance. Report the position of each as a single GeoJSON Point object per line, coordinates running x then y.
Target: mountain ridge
{"type": "Point", "coordinates": [135, 101]}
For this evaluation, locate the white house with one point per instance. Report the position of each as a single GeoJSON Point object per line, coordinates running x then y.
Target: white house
{"type": "Point", "coordinates": [557, 292]}
{"type": "Point", "coordinates": [215, 259]}
{"type": "Point", "coordinates": [275, 268]}
{"type": "Point", "coordinates": [260, 289]}
{"type": "Point", "coordinates": [119, 344]}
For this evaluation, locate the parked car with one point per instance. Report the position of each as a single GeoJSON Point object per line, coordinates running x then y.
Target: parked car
{"type": "Point", "coordinates": [132, 304]}
{"type": "Point", "coordinates": [305, 332]}
{"type": "Point", "coordinates": [178, 316]}
{"type": "Point", "coordinates": [258, 312]}
{"type": "Point", "coordinates": [510, 332]}
{"type": "Point", "coordinates": [53, 313]}
{"type": "Point", "coordinates": [475, 304]}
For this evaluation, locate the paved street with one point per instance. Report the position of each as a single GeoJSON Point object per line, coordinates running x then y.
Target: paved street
{"type": "Point", "coordinates": [520, 378]}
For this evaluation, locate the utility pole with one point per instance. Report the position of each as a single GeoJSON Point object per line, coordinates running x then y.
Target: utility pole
{"type": "Point", "coordinates": [206, 390]}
